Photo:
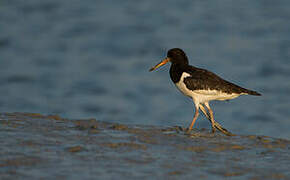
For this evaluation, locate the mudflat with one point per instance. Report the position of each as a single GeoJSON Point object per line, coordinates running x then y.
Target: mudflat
{"type": "Point", "coordinates": [36, 146]}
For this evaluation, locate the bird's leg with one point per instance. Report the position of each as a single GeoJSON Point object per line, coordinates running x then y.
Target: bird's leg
{"type": "Point", "coordinates": [223, 130]}
{"type": "Point", "coordinates": [194, 117]}
{"type": "Point", "coordinates": [216, 124]}
{"type": "Point", "coordinates": [208, 117]}
{"type": "Point", "coordinates": [204, 111]}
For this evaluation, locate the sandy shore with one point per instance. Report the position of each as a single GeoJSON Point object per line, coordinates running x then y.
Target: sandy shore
{"type": "Point", "coordinates": [34, 146]}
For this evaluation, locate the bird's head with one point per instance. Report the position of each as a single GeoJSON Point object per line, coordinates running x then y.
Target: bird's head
{"type": "Point", "coordinates": [175, 56]}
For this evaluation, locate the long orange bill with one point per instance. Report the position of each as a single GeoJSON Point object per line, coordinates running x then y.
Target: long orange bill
{"type": "Point", "coordinates": [164, 61]}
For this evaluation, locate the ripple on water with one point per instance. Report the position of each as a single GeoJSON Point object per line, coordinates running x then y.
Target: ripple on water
{"type": "Point", "coordinates": [85, 58]}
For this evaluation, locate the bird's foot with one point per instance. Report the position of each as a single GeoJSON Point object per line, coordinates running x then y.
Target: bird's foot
{"type": "Point", "coordinates": [213, 129]}
{"type": "Point", "coordinates": [188, 130]}
{"type": "Point", "coordinates": [223, 130]}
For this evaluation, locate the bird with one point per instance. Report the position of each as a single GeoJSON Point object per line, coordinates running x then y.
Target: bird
{"type": "Point", "coordinates": [202, 86]}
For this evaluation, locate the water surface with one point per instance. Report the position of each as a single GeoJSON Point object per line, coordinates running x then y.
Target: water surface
{"type": "Point", "coordinates": [85, 59]}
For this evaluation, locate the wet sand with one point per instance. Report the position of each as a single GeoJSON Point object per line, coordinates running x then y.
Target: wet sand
{"type": "Point", "coordinates": [34, 146]}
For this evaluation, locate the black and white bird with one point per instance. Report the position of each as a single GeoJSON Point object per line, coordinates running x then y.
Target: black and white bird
{"type": "Point", "coordinates": [201, 85]}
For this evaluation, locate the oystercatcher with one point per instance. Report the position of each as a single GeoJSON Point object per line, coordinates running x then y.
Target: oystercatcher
{"type": "Point", "coordinates": [201, 85]}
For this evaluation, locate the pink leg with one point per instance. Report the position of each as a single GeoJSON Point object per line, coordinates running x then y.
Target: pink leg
{"type": "Point", "coordinates": [194, 117]}
{"type": "Point", "coordinates": [216, 124]}
{"type": "Point", "coordinates": [210, 116]}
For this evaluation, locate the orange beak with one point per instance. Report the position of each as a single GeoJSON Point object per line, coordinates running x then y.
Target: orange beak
{"type": "Point", "coordinates": [164, 61]}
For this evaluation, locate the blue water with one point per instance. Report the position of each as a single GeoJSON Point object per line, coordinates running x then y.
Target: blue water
{"type": "Point", "coordinates": [90, 59]}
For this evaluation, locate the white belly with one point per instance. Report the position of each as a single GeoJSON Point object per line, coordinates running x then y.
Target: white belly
{"type": "Point", "coordinates": [202, 96]}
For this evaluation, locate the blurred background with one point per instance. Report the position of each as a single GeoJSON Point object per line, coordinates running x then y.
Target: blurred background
{"type": "Point", "coordinates": [90, 59]}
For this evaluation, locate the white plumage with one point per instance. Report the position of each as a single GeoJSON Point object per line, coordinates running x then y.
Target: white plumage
{"type": "Point", "coordinates": [203, 96]}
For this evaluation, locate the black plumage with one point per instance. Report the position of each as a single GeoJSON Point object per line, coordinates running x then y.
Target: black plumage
{"type": "Point", "coordinates": [201, 85]}
{"type": "Point", "coordinates": [201, 79]}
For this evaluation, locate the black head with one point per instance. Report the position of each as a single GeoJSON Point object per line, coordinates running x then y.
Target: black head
{"type": "Point", "coordinates": [177, 56]}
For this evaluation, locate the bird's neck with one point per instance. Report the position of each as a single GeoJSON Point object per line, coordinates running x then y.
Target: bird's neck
{"type": "Point", "coordinates": [176, 70]}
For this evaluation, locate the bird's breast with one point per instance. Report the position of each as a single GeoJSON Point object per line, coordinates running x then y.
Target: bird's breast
{"type": "Point", "coordinates": [202, 95]}
{"type": "Point", "coordinates": [181, 85]}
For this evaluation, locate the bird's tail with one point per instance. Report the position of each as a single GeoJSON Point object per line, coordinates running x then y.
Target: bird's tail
{"type": "Point", "coordinates": [254, 93]}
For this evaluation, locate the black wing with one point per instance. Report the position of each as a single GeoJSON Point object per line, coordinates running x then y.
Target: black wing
{"type": "Point", "coordinates": [201, 79]}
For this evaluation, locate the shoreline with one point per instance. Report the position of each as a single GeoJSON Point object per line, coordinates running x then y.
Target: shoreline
{"type": "Point", "coordinates": [38, 146]}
